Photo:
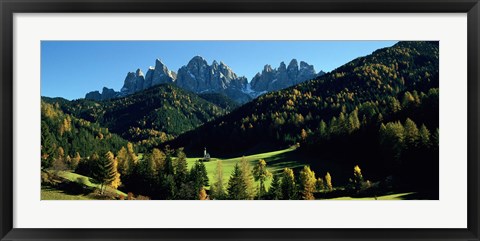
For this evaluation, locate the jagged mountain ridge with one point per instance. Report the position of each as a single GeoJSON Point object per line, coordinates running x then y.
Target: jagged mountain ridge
{"type": "Point", "coordinates": [200, 77]}
{"type": "Point", "coordinates": [283, 76]}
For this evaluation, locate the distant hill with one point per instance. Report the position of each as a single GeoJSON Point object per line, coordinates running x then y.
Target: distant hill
{"type": "Point", "coordinates": [151, 116]}
{"type": "Point", "coordinates": [64, 135]}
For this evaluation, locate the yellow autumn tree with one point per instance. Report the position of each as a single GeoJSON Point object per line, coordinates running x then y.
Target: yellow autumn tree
{"type": "Point", "coordinates": [202, 195]}
{"type": "Point", "coordinates": [307, 183]}
{"type": "Point", "coordinates": [328, 180]}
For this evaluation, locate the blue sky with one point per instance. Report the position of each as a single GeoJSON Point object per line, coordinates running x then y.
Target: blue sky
{"type": "Point", "coordinates": [70, 69]}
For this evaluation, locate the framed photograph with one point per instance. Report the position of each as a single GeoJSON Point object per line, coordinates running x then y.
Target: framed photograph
{"type": "Point", "coordinates": [259, 120]}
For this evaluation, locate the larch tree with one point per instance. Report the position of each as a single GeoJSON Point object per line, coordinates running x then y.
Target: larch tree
{"type": "Point", "coordinates": [59, 160]}
{"type": "Point", "coordinates": [320, 186]}
{"type": "Point", "coordinates": [357, 178]}
{"type": "Point", "coordinates": [288, 185]}
{"type": "Point", "coordinates": [115, 182]}
{"type": "Point", "coordinates": [218, 189]}
{"type": "Point", "coordinates": [307, 183]}
{"type": "Point", "coordinates": [247, 177]}
{"type": "Point", "coordinates": [261, 174]}
{"type": "Point", "coordinates": [303, 135]}
{"type": "Point", "coordinates": [132, 156]}
{"type": "Point", "coordinates": [328, 181]}
{"type": "Point", "coordinates": [123, 164]}
{"type": "Point", "coordinates": [75, 160]}
{"type": "Point", "coordinates": [202, 194]}
{"type": "Point", "coordinates": [158, 159]}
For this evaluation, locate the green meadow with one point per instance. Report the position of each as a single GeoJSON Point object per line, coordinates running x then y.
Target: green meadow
{"type": "Point", "coordinates": [276, 161]}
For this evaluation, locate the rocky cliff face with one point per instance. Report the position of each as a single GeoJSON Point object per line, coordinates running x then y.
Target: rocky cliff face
{"type": "Point", "coordinates": [161, 75]}
{"type": "Point", "coordinates": [105, 95]}
{"type": "Point", "coordinates": [282, 77]}
{"type": "Point", "coordinates": [137, 81]}
{"type": "Point", "coordinates": [199, 77]}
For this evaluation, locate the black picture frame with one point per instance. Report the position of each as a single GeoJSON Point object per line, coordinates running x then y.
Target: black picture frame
{"type": "Point", "coordinates": [9, 7]}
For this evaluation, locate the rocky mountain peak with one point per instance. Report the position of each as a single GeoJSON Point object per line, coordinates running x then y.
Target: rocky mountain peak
{"type": "Point", "coordinates": [282, 67]}
{"type": "Point", "coordinates": [267, 68]}
{"type": "Point", "coordinates": [293, 64]}
{"type": "Point", "coordinates": [160, 75]}
{"type": "Point", "coordinates": [139, 72]}
{"type": "Point", "coordinates": [199, 77]}
{"type": "Point", "coordinates": [282, 77]}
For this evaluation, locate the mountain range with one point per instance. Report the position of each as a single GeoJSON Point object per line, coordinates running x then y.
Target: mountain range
{"type": "Point", "coordinates": [200, 77]}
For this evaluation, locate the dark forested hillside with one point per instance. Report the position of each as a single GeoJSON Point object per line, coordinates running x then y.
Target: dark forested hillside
{"type": "Point", "coordinates": [67, 138]}
{"type": "Point", "coordinates": [220, 100]}
{"type": "Point", "coordinates": [390, 96]}
{"type": "Point", "coordinates": [149, 117]}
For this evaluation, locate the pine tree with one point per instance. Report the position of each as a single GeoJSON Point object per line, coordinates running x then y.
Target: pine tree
{"type": "Point", "coordinates": [105, 171]}
{"type": "Point", "coordinates": [237, 188]}
{"type": "Point", "coordinates": [168, 169]}
{"type": "Point", "coordinates": [436, 138]}
{"type": "Point", "coordinates": [424, 134]}
{"type": "Point", "coordinates": [180, 167]}
{"type": "Point", "coordinates": [198, 176]}
{"type": "Point", "coordinates": [411, 133]}
{"type": "Point", "coordinates": [275, 191]}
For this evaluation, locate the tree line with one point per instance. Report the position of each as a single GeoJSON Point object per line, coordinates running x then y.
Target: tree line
{"type": "Point", "coordinates": [164, 175]}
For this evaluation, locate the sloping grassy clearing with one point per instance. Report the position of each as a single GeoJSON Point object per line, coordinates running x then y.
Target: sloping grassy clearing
{"type": "Point", "coordinates": [74, 177]}
{"type": "Point", "coordinates": [276, 161]}
{"type": "Point", "coordinates": [54, 194]}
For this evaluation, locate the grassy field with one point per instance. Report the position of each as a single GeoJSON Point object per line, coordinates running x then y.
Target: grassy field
{"type": "Point", "coordinates": [397, 196]}
{"type": "Point", "coordinates": [54, 194]}
{"type": "Point", "coordinates": [74, 177]}
{"type": "Point", "coordinates": [50, 193]}
{"type": "Point", "coordinates": [276, 161]}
